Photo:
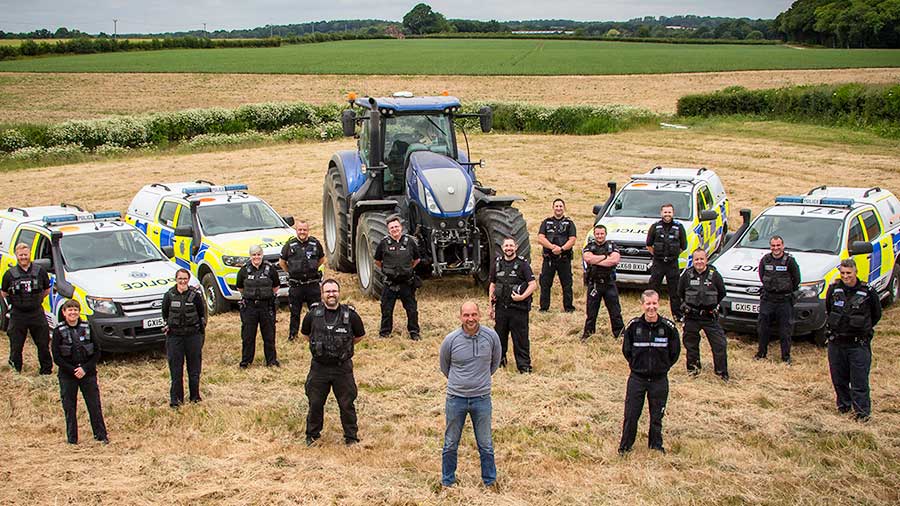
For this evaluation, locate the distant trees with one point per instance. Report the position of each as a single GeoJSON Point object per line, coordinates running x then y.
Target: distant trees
{"type": "Point", "coordinates": [422, 20]}
{"type": "Point", "coordinates": [842, 23]}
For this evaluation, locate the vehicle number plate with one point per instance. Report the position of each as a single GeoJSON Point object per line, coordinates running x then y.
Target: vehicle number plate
{"type": "Point", "coordinates": [152, 323]}
{"type": "Point", "coordinates": [745, 307]}
{"type": "Point", "coordinates": [633, 266]}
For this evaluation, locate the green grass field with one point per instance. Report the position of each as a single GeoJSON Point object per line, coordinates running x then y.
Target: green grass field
{"type": "Point", "coordinates": [466, 57]}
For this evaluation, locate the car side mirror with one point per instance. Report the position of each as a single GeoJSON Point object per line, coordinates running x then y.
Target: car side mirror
{"type": "Point", "coordinates": [708, 215]}
{"type": "Point", "coordinates": [43, 263]}
{"type": "Point", "coordinates": [486, 118]}
{"type": "Point", "coordinates": [168, 251]}
{"type": "Point", "coordinates": [184, 231]}
{"type": "Point", "coordinates": [348, 122]}
{"type": "Point", "coordinates": [289, 220]}
{"type": "Point", "coordinates": [861, 248]}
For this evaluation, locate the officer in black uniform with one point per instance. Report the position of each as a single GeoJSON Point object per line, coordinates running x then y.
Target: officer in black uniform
{"type": "Point", "coordinates": [184, 311]}
{"type": "Point", "coordinates": [853, 310]}
{"type": "Point", "coordinates": [332, 329]}
{"type": "Point", "coordinates": [24, 287]}
{"type": "Point", "coordinates": [666, 239]}
{"type": "Point", "coordinates": [601, 257]}
{"type": "Point", "coordinates": [397, 255]}
{"type": "Point", "coordinates": [702, 289]}
{"type": "Point", "coordinates": [258, 283]}
{"type": "Point", "coordinates": [780, 276]}
{"type": "Point", "coordinates": [557, 236]}
{"type": "Point", "coordinates": [650, 344]}
{"type": "Point", "coordinates": [302, 259]}
{"type": "Point", "coordinates": [512, 283]}
{"type": "Point", "coordinates": [76, 355]}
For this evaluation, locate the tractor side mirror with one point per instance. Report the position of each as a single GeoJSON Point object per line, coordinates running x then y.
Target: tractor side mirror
{"type": "Point", "coordinates": [708, 215]}
{"type": "Point", "coordinates": [861, 248]}
{"type": "Point", "coordinates": [289, 220]}
{"type": "Point", "coordinates": [486, 118]}
{"type": "Point", "coordinates": [348, 122]}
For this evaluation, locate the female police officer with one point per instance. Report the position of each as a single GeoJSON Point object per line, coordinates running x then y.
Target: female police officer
{"type": "Point", "coordinates": [185, 314]}
{"type": "Point", "coordinates": [258, 283]}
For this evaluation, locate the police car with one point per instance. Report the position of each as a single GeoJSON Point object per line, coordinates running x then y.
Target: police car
{"type": "Point", "coordinates": [211, 229]}
{"type": "Point", "coordinates": [108, 266]}
{"type": "Point", "coordinates": [700, 203]}
{"type": "Point", "coordinates": [820, 229]}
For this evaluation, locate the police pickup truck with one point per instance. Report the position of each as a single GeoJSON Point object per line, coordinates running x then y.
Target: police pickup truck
{"type": "Point", "coordinates": [108, 266]}
{"type": "Point", "coordinates": [700, 203]}
{"type": "Point", "coordinates": [819, 229]}
{"type": "Point", "coordinates": [211, 229]}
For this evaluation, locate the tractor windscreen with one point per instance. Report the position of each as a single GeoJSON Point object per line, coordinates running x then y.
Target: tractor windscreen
{"type": "Point", "coordinates": [408, 134]}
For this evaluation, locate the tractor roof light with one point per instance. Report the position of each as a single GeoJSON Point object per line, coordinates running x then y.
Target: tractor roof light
{"type": "Point", "coordinates": [351, 97]}
{"type": "Point", "coordinates": [445, 93]}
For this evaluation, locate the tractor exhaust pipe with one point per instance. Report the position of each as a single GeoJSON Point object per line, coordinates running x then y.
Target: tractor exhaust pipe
{"type": "Point", "coordinates": [375, 189]}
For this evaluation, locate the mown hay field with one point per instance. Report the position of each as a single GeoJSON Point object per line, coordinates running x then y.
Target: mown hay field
{"type": "Point", "coordinates": [466, 57]}
{"type": "Point", "coordinates": [770, 436]}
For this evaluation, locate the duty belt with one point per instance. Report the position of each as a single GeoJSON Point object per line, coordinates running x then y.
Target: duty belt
{"type": "Point", "coordinates": [297, 282]}
{"type": "Point", "coordinates": [703, 313]}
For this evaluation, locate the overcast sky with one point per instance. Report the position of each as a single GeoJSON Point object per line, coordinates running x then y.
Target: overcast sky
{"type": "Point", "coordinates": [149, 16]}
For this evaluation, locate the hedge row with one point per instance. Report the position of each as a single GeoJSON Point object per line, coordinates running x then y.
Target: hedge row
{"type": "Point", "coordinates": [562, 36]}
{"type": "Point", "coordinates": [854, 104]}
{"type": "Point", "coordinates": [570, 120]}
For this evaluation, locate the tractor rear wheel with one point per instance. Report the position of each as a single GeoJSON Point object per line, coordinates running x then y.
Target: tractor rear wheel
{"type": "Point", "coordinates": [494, 225]}
{"type": "Point", "coordinates": [372, 229]}
{"type": "Point", "coordinates": [336, 221]}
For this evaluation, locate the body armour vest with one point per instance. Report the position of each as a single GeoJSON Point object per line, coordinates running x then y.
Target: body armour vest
{"type": "Point", "coordinates": [25, 293]}
{"type": "Point", "coordinates": [508, 275]}
{"type": "Point", "coordinates": [776, 278]}
{"type": "Point", "coordinates": [76, 342]}
{"type": "Point", "coordinates": [183, 314]}
{"type": "Point", "coordinates": [650, 348]}
{"type": "Point", "coordinates": [850, 315]}
{"type": "Point", "coordinates": [257, 284]}
{"type": "Point", "coordinates": [557, 232]}
{"type": "Point", "coordinates": [701, 293]}
{"type": "Point", "coordinates": [303, 262]}
{"type": "Point", "coordinates": [331, 342]}
{"type": "Point", "coordinates": [397, 261]}
{"type": "Point", "coordinates": [599, 273]}
{"type": "Point", "coordinates": [667, 241]}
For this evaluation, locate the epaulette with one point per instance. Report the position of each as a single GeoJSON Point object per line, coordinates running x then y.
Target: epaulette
{"type": "Point", "coordinates": [633, 320]}
{"type": "Point", "coordinates": [351, 307]}
{"type": "Point", "coordinates": [668, 322]}
{"type": "Point", "coordinates": [314, 304]}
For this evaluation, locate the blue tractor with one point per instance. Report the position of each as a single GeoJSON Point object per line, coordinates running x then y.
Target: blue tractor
{"type": "Point", "coordinates": [408, 163]}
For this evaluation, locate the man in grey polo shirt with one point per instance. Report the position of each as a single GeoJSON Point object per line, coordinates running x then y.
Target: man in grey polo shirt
{"type": "Point", "coordinates": [469, 356]}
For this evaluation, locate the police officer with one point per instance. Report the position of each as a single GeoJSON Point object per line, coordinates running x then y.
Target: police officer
{"type": "Point", "coordinates": [397, 255]}
{"type": "Point", "coordinates": [601, 257]}
{"type": "Point", "coordinates": [557, 236]}
{"type": "Point", "coordinates": [780, 276]}
{"type": "Point", "coordinates": [332, 329]}
{"type": "Point", "coordinates": [512, 283]}
{"type": "Point", "coordinates": [76, 355]}
{"type": "Point", "coordinates": [184, 311]}
{"type": "Point", "coordinates": [24, 287]}
{"type": "Point", "coordinates": [650, 344]}
{"type": "Point", "coordinates": [666, 239]}
{"type": "Point", "coordinates": [258, 283]}
{"type": "Point", "coordinates": [853, 310]}
{"type": "Point", "coordinates": [302, 258]}
{"type": "Point", "coordinates": [702, 289]}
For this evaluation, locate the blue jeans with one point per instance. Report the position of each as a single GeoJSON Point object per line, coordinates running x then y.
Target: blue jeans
{"type": "Point", "coordinates": [479, 408]}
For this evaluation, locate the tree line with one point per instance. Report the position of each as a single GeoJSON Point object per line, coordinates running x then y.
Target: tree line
{"type": "Point", "coordinates": [844, 23]}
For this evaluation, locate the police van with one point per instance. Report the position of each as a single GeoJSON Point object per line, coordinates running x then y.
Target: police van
{"type": "Point", "coordinates": [211, 229]}
{"type": "Point", "coordinates": [115, 273]}
{"type": "Point", "coordinates": [820, 228]}
{"type": "Point", "coordinates": [700, 202]}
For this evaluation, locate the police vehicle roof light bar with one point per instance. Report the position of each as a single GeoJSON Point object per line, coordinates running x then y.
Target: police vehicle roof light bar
{"type": "Point", "coordinates": [214, 189]}
{"type": "Point", "coordinates": [82, 217]}
{"type": "Point", "coordinates": [816, 201]}
{"type": "Point", "coordinates": [661, 177]}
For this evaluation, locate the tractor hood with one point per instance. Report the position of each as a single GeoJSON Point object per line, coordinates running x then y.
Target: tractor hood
{"type": "Point", "coordinates": [440, 184]}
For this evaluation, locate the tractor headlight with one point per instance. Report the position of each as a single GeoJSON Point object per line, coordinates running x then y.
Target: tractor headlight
{"type": "Point", "coordinates": [470, 205]}
{"type": "Point", "coordinates": [431, 202]}
{"type": "Point", "coordinates": [100, 305]}
{"type": "Point", "coordinates": [234, 261]}
{"type": "Point", "coordinates": [812, 289]}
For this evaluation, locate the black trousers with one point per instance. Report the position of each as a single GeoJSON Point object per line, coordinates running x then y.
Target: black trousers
{"type": "Point", "coordinates": [20, 324]}
{"type": "Point", "coordinates": [717, 341]}
{"type": "Point", "coordinates": [298, 295]}
{"type": "Point", "coordinates": [68, 393]}
{"type": "Point", "coordinates": [321, 379]}
{"type": "Point", "coordinates": [780, 313]}
{"type": "Point", "coordinates": [552, 267]}
{"type": "Point", "coordinates": [668, 271]}
{"type": "Point", "coordinates": [849, 365]}
{"type": "Point", "coordinates": [181, 349]}
{"type": "Point", "coordinates": [606, 293]}
{"type": "Point", "coordinates": [407, 295]}
{"type": "Point", "coordinates": [657, 392]}
{"type": "Point", "coordinates": [514, 321]}
{"type": "Point", "coordinates": [257, 314]}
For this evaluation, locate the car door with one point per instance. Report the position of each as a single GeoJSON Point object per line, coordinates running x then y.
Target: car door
{"type": "Point", "coordinates": [856, 232]}
{"type": "Point", "coordinates": [182, 245]}
{"type": "Point", "coordinates": [708, 228]}
{"type": "Point", "coordinates": [882, 261]}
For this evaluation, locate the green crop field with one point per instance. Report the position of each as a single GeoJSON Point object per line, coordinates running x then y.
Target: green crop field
{"type": "Point", "coordinates": [466, 57]}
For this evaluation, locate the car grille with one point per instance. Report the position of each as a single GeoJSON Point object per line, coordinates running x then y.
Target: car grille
{"type": "Point", "coordinates": [633, 249]}
{"type": "Point", "coordinates": [141, 306]}
{"type": "Point", "coordinates": [744, 290]}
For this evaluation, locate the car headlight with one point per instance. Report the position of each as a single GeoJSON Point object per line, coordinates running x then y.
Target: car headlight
{"type": "Point", "coordinates": [234, 261]}
{"type": "Point", "coordinates": [470, 205]}
{"type": "Point", "coordinates": [431, 202]}
{"type": "Point", "coordinates": [812, 289]}
{"type": "Point", "coordinates": [100, 305]}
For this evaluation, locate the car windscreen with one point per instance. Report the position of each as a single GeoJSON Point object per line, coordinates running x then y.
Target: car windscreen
{"type": "Point", "coordinates": [237, 217]}
{"type": "Point", "coordinates": [800, 233]}
{"type": "Point", "coordinates": [106, 249]}
{"type": "Point", "coordinates": [647, 204]}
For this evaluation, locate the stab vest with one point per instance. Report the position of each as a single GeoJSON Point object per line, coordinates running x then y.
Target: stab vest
{"type": "Point", "coordinates": [508, 276]}
{"type": "Point", "coordinates": [331, 342]}
{"type": "Point", "coordinates": [183, 315]}
{"type": "Point", "coordinates": [850, 314]}
{"type": "Point", "coordinates": [667, 243]}
{"type": "Point", "coordinates": [598, 273]}
{"type": "Point", "coordinates": [701, 293]}
{"type": "Point", "coordinates": [25, 293]}
{"type": "Point", "coordinates": [303, 261]}
{"type": "Point", "coordinates": [76, 342]}
{"type": "Point", "coordinates": [397, 260]}
{"type": "Point", "coordinates": [557, 232]}
{"type": "Point", "coordinates": [257, 285]}
{"type": "Point", "coordinates": [776, 278]}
